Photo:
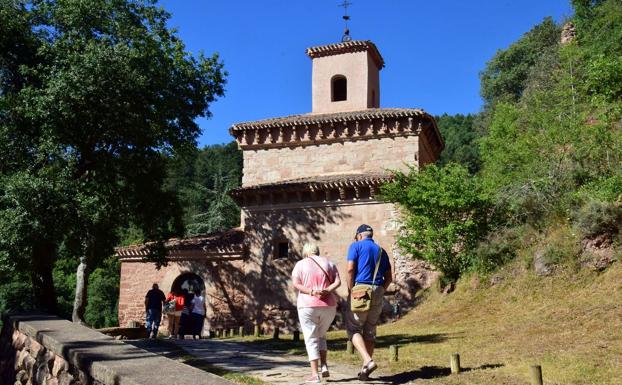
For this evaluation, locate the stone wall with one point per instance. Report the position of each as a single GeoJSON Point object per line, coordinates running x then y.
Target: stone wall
{"type": "Point", "coordinates": [46, 350]}
{"type": "Point", "coordinates": [362, 156]}
{"type": "Point", "coordinates": [332, 228]}
{"type": "Point", "coordinates": [259, 288]}
{"type": "Point", "coordinates": [223, 279]}
{"type": "Point", "coordinates": [26, 361]}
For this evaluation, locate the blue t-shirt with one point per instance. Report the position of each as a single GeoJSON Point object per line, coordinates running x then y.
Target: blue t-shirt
{"type": "Point", "coordinates": [364, 254]}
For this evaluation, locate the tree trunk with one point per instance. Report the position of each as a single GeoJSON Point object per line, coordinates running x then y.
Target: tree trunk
{"type": "Point", "coordinates": [82, 281]}
{"type": "Point", "coordinates": [41, 276]}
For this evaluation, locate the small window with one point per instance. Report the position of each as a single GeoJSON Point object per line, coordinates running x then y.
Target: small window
{"type": "Point", "coordinates": [339, 88]}
{"type": "Point", "coordinates": [281, 250]}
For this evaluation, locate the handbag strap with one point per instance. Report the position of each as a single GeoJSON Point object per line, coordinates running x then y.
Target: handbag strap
{"type": "Point", "coordinates": [373, 280]}
{"type": "Point", "coordinates": [321, 268]}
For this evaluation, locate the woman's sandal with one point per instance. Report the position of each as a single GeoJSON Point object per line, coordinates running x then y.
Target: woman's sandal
{"type": "Point", "coordinates": [366, 370]}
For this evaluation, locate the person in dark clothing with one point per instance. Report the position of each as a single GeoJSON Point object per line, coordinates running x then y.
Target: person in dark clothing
{"type": "Point", "coordinates": [185, 323]}
{"type": "Point", "coordinates": [153, 308]}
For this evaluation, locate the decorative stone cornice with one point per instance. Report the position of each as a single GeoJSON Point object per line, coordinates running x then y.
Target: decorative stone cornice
{"type": "Point", "coordinates": [220, 245]}
{"type": "Point", "coordinates": [313, 129]}
{"type": "Point", "coordinates": [329, 188]}
{"type": "Point", "coordinates": [347, 47]}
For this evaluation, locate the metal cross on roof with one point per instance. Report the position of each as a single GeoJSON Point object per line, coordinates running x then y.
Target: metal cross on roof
{"type": "Point", "coordinates": [346, 32]}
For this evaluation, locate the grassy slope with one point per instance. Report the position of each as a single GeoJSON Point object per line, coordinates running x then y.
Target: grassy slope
{"type": "Point", "coordinates": [571, 324]}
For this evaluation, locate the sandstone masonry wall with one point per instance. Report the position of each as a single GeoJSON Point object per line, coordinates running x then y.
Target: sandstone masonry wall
{"type": "Point", "coordinates": [362, 156]}
{"type": "Point", "coordinates": [332, 228]}
{"type": "Point", "coordinates": [46, 350]}
{"type": "Point", "coordinates": [223, 281]}
{"type": "Point", "coordinates": [362, 77]}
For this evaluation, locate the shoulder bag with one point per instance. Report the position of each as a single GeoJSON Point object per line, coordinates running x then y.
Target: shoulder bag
{"type": "Point", "coordinates": [360, 295]}
{"type": "Point", "coordinates": [169, 307]}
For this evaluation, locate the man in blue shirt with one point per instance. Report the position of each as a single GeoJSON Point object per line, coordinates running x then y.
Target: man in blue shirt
{"type": "Point", "coordinates": [362, 257]}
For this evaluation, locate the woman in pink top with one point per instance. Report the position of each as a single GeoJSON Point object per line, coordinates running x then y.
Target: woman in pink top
{"type": "Point", "coordinates": [315, 278]}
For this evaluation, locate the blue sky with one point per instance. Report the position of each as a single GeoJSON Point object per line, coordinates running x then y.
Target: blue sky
{"type": "Point", "coordinates": [434, 50]}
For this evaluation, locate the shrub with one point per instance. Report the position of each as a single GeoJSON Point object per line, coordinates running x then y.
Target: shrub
{"type": "Point", "coordinates": [15, 295]}
{"type": "Point", "coordinates": [497, 249]}
{"type": "Point", "coordinates": [598, 218]}
{"type": "Point", "coordinates": [445, 215]}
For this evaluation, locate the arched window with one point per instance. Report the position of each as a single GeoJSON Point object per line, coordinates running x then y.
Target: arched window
{"type": "Point", "coordinates": [339, 88]}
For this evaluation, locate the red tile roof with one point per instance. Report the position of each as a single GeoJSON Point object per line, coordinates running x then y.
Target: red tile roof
{"type": "Point", "coordinates": [347, 47]}
{"type": "Point", "coordinates": [308, 119]}
{"type": "Point", "coordinates": [229, 242]}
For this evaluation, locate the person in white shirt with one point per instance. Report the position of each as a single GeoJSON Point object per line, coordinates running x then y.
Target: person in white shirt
{"type": "Point", "coordinates": [198, 314]}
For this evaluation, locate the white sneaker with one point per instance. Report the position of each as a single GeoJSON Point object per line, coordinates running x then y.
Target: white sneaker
{"type": "Point", "coordinates": [325, 372]}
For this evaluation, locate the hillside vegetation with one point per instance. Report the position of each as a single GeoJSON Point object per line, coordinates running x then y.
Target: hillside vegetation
{"type": "Point", "coordinates": [523, 216]}
{"type": "Point", "coordinates": [569, 323]}
{"type": "Point", "coordinates": [544, 153]}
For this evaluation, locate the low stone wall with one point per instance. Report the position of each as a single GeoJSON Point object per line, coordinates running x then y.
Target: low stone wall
{"type": "Point", "coordinates": [46, 350]}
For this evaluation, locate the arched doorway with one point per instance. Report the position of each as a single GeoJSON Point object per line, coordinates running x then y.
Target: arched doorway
{"type": "Point", "coordinates": [188, 281]}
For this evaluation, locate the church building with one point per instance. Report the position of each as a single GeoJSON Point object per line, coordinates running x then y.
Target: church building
{"type": "Point", "coordinates": [312, 177]}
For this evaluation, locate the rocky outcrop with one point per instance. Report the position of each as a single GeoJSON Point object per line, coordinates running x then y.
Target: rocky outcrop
{"type": "Point", "coordinates": [597, 253]}
{"type": "Point", "coordinates": [411, 275]}
{"type": "Point", "coordinates": [569, 32]}
{"type": "Point", "coordinates": [541, 265]}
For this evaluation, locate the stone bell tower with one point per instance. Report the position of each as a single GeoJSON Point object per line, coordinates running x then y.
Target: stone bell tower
{"type": "Point", "coordinates": [346, 76]}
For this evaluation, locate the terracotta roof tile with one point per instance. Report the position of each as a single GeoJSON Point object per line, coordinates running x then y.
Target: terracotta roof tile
{"type": "Point", "coordinates": [316, 182]}
{"type": "Point", "coordinates": [347, 47]}
{"type": "Point", "coordinates": [214, 243]}
{"type": "Point", "coordinates": [370, 113]}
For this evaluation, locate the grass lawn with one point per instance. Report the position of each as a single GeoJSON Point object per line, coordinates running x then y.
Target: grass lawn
{"type": "Point", "coordinates": [570, 323]}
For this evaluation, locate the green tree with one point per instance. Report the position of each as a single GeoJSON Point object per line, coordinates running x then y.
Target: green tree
{"type": "Point", "coordinates": [460, 135]}
{"type": "Point", "coordinates": [94, 95]}
{"type": "Point", "coordinates": [445, 215]}
{"type": "Point", "coordinates": [102, 308]}
{"type": "Point", "coordinates": [506, 74]}
{"type": "Point", "coordinates": [202, 181]}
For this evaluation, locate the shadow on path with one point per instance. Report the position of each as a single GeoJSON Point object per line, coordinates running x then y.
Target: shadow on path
{"type": "Point", "coordinates": [221, 357]}
{"type": "Point", "coordinates": [429, 372]}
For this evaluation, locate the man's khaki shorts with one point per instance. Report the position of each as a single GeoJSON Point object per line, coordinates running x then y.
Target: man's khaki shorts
{"type": "Point", "coordinates": [365, 323]}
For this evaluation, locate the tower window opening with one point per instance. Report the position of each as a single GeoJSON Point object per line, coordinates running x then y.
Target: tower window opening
{"type": "Point", "coordinates": [339, 85]}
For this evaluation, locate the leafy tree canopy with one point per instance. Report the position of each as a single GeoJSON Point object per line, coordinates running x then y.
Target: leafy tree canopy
{"type": "Point", "coordinates": [460, 135]}
{"type": "Point", "coordinates": [202, 181]}
{"type": "Point", "coordinates": [505, 76]}
{"type": "Point", "coordinates": [93, 95]}
{"type": "Point", "coordinates": [445, 215]}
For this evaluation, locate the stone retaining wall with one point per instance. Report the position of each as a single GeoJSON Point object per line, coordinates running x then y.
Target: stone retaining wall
{"type": "Point", "coordinates": [46, 350]}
